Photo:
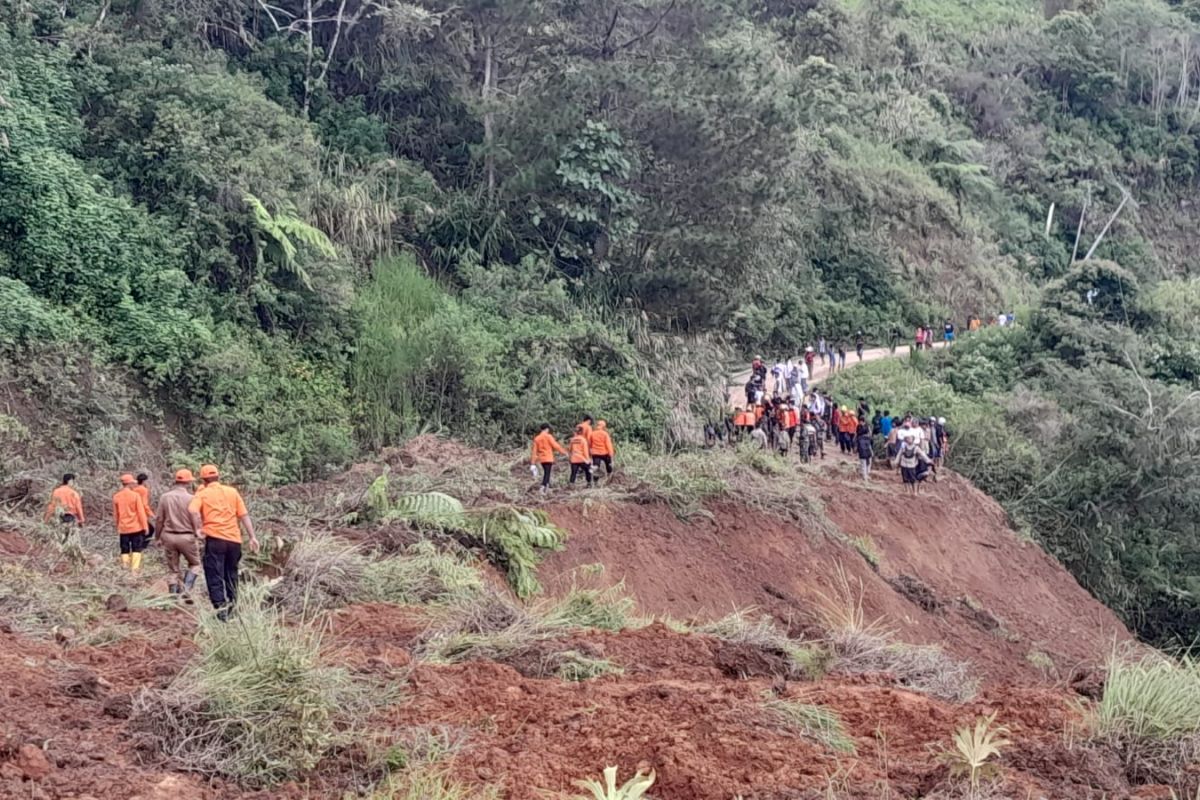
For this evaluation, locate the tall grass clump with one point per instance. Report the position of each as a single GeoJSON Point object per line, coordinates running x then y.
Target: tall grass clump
{"type": "Point", "coordinates": [393, 349]}
{"type": "Point", "coordinates": [423, 575]}
{"type": "Point", "coordinates": [818, 723]}
{"type": "Point", "coordinates": [321, 572]}
{"type": "Point", "coordinates": [803, 660]}
{"type": "Point", "coordinates": [257, 704]}
{"type": "Point", "coordinates": [604, 609]}
{"type": "Point", "coordinates": [1150, 712]}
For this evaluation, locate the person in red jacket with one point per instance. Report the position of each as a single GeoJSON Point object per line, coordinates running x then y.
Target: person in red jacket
{"type": "Point", "coordinates": [581, 455]}
{"type": "Point", "coordinates": [601, 446]}
{"type": "Point", "coordinates": [544, 448]}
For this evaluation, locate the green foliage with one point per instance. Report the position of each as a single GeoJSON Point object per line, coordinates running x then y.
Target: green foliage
{"type": "Point", "coordinates": [423, 575]}
{"type": "Point", "coordinates": [1153, 697]}
{"type": "Point", "coordinates": [633, 789]}
{"type": "Point", "coordinates": [511, 536]}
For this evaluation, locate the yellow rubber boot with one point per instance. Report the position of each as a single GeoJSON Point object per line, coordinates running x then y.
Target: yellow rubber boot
{"type": "Point", "coordinates": [137, 562]}
{"type": "Point", "coordinates": [126, 560]}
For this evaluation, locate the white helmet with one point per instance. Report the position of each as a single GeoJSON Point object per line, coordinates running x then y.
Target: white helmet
{"type": "Point", "coordinates": [941, 420]}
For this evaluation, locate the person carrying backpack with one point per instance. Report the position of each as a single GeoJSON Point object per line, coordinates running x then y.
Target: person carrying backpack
{"type": "Point", "coordinates": [866, 451]}
{"type": "Point", "coordinates": [910, 459]}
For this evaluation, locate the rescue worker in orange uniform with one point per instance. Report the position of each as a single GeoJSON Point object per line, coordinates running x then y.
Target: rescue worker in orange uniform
{"type": "Point", "coordinates": [65, 504]}
{"type": "Point", "coordinates": [544, 448]}
{"type": "Point", "coordinates": [129, 514]}
{"type": "Point", "coordinates": [847, 428]}
{"type": "Point", "coordinates": [581, 455]}
{"type": "Point", "coordinates": [143, 491]}
{"type": "Point", "coordinates": [600, 444]}
{"type": "Point", "coordinates": [219, 514]}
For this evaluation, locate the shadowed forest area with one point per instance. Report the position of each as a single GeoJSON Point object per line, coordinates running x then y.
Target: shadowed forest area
{"type": "Point", "coordinates": [277, 235]}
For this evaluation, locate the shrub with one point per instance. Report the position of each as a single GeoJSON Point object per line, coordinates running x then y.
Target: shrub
{"type": "Point", "coordinates": [633, 789]}
{"type": "Point", "coordinates": [256, 705]}
{"type": "Point", "coordinates": [1150, 712]}
{"type": "Point", "coordinates": [974, 749]}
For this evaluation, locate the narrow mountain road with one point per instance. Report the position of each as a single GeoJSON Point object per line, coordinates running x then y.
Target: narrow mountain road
{"type": "Point", "coordinates": [737, 387]}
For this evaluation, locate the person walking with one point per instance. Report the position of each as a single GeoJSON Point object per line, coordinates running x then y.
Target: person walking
{"type": "Point", "coordinates": [859, 343]}
{"type": "Point", "coordinates": [866, 451]}
{"type": "Point", "coordinates": [948, 332]}
{"type": "Point", "coordinates": [177, 536]}
{"type": "Point", "coordinates": [219, 514]}
{"type": "Point", "coordinates": [822, 349]}
{"type": "Point", "coordinates": [66, 505]}
{"type": "Point", "coordinates": [910, 459]}
{"type": "Point", "coordinates": [601, 446]}
{"type": "Point", "coordinates": [841, 354]}
{"type": "Point", "coordinates": [580, 455]}
{"type": "Point", "coordinates": [894, 339]}
{"type": "Point", "coordinates": [143, 491]}
{"type": "Point", "coordinates": [129, 516]}
{"type": "Point", "coordinates": [919, 338]}
{"type": "Point", "coordinates": [544, 448]}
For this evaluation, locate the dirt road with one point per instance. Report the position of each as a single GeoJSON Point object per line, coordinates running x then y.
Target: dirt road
{"type": "Point", "coordinates": [737, 387]}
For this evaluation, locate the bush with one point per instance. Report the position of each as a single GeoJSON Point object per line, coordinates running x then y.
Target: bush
{"type": "Point", "coordinates": [1150, 712]}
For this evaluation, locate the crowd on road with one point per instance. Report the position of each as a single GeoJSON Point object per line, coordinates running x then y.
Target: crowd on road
{"type": "Point", "coordinates": [804, 421]}
{"type": "Point", "coordinates": [214, 514]}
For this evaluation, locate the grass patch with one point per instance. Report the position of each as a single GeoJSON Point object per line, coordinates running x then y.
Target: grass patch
{"type": "Point", "coordinates": [424, 575]}
{"type": "Point", "coordinates": [571, 665]}
{"type": "Point", "coordinates": [257, 704]}
{"type": "Point", "coordinates": [323, 571]}
{"type": "Point", "coordinates": [742, 628]}
{"type": "Point", "coordinates": [37, 606]}
{"type": "Point", "coordinates": [926, 668]}
{"type": "Point", "coordinates": [488, 627]}
{"type": "Point", "coordinates": [867, 548]}
{"type": "Point", "coordinates": [428, 782]}
{"type": "Point", "coordinates": [1150, 712]}
{"type": "Point", "coordinates": [607, 609]}
{"type": "Point", "coordinates": [818, 723]}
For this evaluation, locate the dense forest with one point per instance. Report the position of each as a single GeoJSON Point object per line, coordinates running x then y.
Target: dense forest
{"type": "Point", "coordinates": [279, 233]}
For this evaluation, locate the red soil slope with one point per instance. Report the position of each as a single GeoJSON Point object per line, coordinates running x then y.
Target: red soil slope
{"type": "Point", "coordinates": [951, 571]}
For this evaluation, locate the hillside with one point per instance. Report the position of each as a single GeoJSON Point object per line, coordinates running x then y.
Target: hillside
{"type": "Point", "coordinates": [899, 633]}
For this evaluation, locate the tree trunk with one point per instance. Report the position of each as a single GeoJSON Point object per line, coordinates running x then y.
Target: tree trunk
{"type": "Point", "coordinates": [489, 116]}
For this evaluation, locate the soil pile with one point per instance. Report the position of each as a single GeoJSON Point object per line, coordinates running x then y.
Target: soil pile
{"type": "Point", "coordinates": [949, 571]}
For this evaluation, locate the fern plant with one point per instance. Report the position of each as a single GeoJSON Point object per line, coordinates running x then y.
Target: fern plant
{"type": "Point", "coordinates": [513, 536]}
{"type": "Point", "coordinates": [633, 789]}
{"type": "Point", "coordinates": [974, 749]}
{"type": "Point", "coordinates": [278, 238]}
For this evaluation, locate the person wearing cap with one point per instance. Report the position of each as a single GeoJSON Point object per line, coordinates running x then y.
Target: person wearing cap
{"type": "Point", "coordinates": [65, 504]}
{"type": "Point", "coordinates": [129, 514]}
{"type": "Point", "coordinates": [177, 534]}
{"type": "Point", "coordinates": [219, 514]}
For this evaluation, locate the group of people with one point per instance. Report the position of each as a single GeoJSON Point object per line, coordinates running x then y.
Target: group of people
{"type": "Point", "coordinates": [589, 449]}
{"type": "Point", "coordinates": [797, 416]}
{"type": "Point", "coordinates": [214, 514]}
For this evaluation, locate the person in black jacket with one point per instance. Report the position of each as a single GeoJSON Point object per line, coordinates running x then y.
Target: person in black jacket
{"type": "Point", "coordinates": [866, 450]}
